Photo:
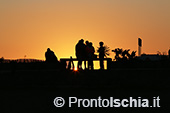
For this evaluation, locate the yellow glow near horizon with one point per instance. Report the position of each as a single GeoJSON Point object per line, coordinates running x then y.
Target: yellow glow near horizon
{"type": "Point", "coordinates": [75, 69]}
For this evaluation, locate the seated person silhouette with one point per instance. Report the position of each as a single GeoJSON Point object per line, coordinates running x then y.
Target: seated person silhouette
{"type": "Point", "coordinates": [50, 56]}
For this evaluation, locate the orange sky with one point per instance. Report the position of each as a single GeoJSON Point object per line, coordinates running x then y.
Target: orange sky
{"type": "Point", "coordinates": [29, 27]}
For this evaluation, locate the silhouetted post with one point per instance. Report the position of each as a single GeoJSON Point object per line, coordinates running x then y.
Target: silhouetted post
{"type": "Point", "coordinates": [139, 46]}
{"type": "Point", "coordinates": [71, 64]}
{"type": "Point", "coordinates": [25, 58]}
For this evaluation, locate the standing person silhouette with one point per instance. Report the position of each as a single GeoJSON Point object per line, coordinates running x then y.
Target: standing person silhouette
{"type": "Point", "coordinates": [101, 51]}
{"type": "Point", "coordinates": [86, 53]}
{"type": "Point", "coordinates": [90, 55]}
{"type": "Point", "coordinates": [80, 51]}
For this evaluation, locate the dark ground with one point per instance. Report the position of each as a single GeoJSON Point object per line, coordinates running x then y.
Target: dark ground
{"type": "Point", "coordinates": [33, 91]}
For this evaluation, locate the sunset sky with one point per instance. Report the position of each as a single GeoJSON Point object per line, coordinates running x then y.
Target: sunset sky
{"type": "Point", "coordinates": [29, 27]}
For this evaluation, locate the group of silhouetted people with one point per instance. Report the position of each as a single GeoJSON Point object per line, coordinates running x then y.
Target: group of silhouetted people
{"type": "Point", "coordinates": [85, 52]}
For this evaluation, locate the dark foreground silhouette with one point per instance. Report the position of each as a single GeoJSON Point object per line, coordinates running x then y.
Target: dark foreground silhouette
{"type": "Point", "coordinates": [33, 90]}
{"type": "Point", "coordinates": [32, 87]}
{"type": "Point", "coordinates": [85, 52]}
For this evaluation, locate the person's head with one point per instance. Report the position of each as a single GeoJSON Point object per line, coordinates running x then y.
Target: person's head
{"type": "Point", "coordinates": [101, 44]}
{"type": "Point", "coordinates": [81, 41]}
{"type": "Point", "coordinates": [48, 49]}
{"type": "Point", "coordinates": [90, 44]}
{"type": "Point", "coordinates": [87, 42]}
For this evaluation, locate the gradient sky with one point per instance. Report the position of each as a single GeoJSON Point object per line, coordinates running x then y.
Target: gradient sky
{"type": "Point", "coordinates": [29, 27]}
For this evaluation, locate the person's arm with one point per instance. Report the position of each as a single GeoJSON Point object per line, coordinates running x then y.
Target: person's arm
{"type": "Point", "coordinates": [93, 50]}
{"type": "Point", "coordinates": [98, 50]}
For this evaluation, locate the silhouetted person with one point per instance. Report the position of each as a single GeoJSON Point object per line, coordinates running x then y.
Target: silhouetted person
{"type": "Point", "coordinates": [101, 54]}
{"type": "Point", "coordinates": [90, 55]}
{"type": "Point", "coordinates": [80, 53]}
{"type": "Point", "coordinates": [86, 53]}
{"type": "Point", "coordinates": [50, 56]}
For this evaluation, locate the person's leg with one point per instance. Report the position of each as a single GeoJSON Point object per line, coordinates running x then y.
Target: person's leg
{"type": "Point", "coordinates": [72, 64]}
{"type": "Point", "coordinates": [101, 64]}
{"type": "Point", "coordinates": [78, 64]}
{"type": "Point", "coordinates": [81, 64]}
{"type": "Point", "coordinates": [84, 63]}
{"type": "Point", "coordinates": [88, 65]}
{"type": "Point", "coordinates": [92, 65]}
{"type": "Point", "coordinates": [92, 68]}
